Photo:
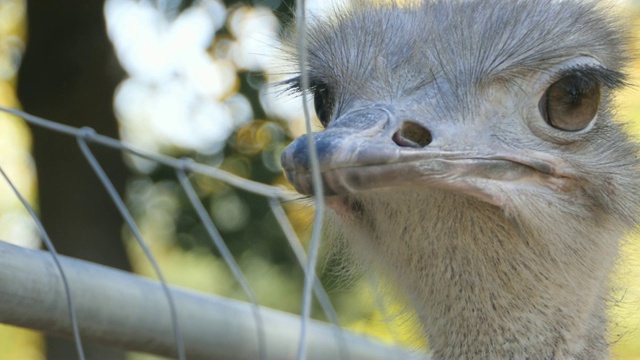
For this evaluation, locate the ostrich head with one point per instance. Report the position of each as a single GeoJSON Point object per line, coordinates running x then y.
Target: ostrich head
{"type": "Point", "coordinates": [470, 153]}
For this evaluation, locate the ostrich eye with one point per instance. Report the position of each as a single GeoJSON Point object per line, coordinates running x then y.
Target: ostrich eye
{"type": "Point", "coordinates": [571, 103]}
{"type": "Point", "coordinates": [322, 103]}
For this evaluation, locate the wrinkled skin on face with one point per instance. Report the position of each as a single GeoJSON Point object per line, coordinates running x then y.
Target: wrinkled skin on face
{"type": "Point", "coordinates": [470, 154]}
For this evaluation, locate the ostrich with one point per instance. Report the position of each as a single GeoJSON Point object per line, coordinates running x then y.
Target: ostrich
{"type": "Point", "coordinates": [470, 154]}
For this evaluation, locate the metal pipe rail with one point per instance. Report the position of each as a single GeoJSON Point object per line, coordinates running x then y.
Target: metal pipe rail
{"type": "Point", "coordinates": [123, 310]}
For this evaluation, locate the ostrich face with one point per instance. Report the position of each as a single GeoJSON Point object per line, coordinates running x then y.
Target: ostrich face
{"type": "Point", "coordinates": [470, 154]}
{"type": "Point", "coordinates": [500, 101]}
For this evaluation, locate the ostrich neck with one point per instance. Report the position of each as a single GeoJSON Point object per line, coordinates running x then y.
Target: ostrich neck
{"type": "Point", "coordinates": [486, 285]}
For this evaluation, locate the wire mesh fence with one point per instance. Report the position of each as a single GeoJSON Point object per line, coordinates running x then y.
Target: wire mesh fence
{"type": "Point", "coordinates": [54, 294]}
{"type": "Point", "coordinates": [60, 295]}
{"type": "Point", "coordinates": [92, 303]}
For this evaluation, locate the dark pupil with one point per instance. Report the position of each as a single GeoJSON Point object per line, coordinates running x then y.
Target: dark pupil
{"type": "Point", "coordinates": [571, 103]}
{"type": "Point", "coordinates": [321, 104]}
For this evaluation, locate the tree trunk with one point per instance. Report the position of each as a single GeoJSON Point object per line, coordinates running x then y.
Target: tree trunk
{"type": "Point", "coordinates": [68, 74]}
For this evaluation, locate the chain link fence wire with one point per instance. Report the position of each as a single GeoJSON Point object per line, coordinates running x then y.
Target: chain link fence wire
{"type": "Point", "coordinates": [73, 297]}
{"type": "Point", "coordinates": [316, 231]}
{"type": "Point", "coordinates": [191, 318]}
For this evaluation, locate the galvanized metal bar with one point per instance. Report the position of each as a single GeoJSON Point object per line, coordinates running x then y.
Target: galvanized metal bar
{"type": "Point", "coordinates": [120, 309]}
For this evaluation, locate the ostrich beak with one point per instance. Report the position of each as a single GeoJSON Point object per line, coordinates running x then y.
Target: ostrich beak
{"type": "Point", "coordinates": [361, 151]}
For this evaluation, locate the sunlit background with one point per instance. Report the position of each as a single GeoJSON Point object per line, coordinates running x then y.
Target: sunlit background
{"type": "Point", "coordinates": [197, 84]}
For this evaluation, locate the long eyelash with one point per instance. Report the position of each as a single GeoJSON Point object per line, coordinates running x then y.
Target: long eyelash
{"type": "Point", "coordinates": [596, 75]}
{"type": "Point", "coordinates": [294, 86]}
{"type": "Point", "coordinates": [291, 85]}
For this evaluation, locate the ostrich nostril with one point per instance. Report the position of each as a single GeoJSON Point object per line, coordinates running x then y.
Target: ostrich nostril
{"type": "Point", "coordinates": [413, 135]}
